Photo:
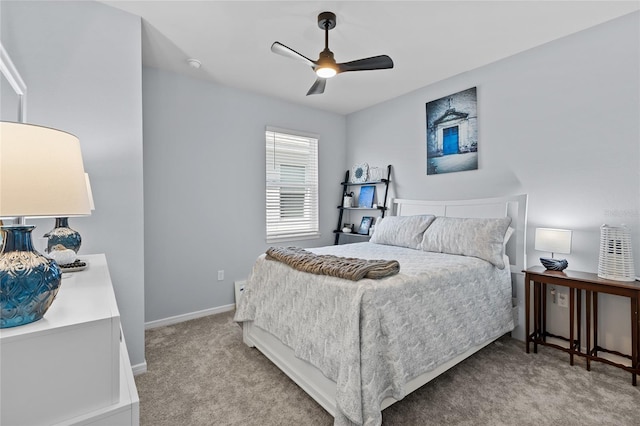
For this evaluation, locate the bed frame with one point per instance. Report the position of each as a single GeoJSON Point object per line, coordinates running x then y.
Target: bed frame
{"type": "Point", "coordinates": [322, 389]}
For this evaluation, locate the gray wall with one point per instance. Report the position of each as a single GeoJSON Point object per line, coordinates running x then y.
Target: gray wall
{"type": "Point", "coordinates": [558, 122]}
{"type": "Point", "coordinates": [204, 170]}
{"type": "Point", "coordinates": [81, 62]}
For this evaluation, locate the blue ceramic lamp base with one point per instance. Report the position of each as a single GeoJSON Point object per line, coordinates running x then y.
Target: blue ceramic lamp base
{"type": "Point", "coordinates": [29, 281]}
{"type": "Point", "coordinates": [62, 235]}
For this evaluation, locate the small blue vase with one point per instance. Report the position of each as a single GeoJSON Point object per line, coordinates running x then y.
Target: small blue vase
{"type": "Point", "coordinates": [28, 281]}
{"type": "Point", "coordinates": [63, 235]}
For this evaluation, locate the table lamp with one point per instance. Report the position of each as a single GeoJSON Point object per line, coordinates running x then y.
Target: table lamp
{"type": "Point", "coordinates": [62, 235]}
{"type": "Point", "coordinates": [554, 241]}
{"type": "Point", "coordinates": [41, 175]}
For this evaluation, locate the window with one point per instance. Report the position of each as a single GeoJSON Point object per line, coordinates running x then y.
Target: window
{"type": "Point", "coordinates": [292, 185]}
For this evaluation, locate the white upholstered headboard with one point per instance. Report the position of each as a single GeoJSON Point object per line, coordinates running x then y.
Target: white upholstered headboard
{"type": "Point", "coordinates": [514, 206]}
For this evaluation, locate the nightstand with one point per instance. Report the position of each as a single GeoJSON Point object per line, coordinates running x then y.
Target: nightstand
{"type": "Point", "coordinates": [592, 285]}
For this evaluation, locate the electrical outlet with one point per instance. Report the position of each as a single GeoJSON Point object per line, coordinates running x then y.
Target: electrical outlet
{"type": "Point", "coordinates": [221, 275]}
{"type": "Point", "coordinates": [563, 300]}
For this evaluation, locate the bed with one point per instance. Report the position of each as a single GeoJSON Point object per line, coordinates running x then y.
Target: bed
{"type": "Point", "coordinates": [357, 347]}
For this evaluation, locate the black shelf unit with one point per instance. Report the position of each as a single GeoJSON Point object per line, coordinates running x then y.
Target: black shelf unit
{"type": "Point", "coordinates": [341, 208]}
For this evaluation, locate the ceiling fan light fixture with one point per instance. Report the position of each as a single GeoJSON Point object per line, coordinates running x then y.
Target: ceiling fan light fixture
{"type": "Point", "coordinates": [326, 71]}
{"type": "Point", "coordinates": [326, 65]}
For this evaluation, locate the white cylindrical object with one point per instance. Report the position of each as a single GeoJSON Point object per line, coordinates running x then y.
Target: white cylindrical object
{"type": "Point", "coordinates": [616, 257]}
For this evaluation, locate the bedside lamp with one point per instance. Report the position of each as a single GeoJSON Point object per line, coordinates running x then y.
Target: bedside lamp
{"type": "Point", "coordinates": [554, 241]}
{"type": "Point", "coordinates": [41, 175]}
{"type": "Point", "coordinates": [62, 234]}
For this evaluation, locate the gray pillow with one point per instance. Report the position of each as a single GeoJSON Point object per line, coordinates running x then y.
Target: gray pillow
{"type": "Point", "coordinates": [402, 231]}
{"type": "Point", "coordinates": [482, 238]}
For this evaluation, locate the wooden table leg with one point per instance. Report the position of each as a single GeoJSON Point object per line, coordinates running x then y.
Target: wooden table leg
{"type": "Point", "coordinates": [638, 332]}
{"type": "Point", "coordinates": [543, 312]}
{"type": "Point", "coordinates": [571, 324]}
{"type": "Point", "coordinates": [588, 321]}
{"type": "Point", "coordinates": [579, 318]}
{"type": "Point", "coordinates": [536, 315]}
{"type": "Point", "coordinates": [527, 309]}
{"type": "Point", "coordinates": [635, 308]}
{"type": "Point", "coordinates": [595, 323]}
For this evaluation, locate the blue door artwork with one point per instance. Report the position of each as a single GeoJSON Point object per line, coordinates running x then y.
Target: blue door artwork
{"type": "Point", "coordinates": [450, 140]}
{"type": "Point", "coordinates": [452, 133]}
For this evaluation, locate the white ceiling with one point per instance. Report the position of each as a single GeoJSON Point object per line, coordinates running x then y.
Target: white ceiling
{"type": "Point", "coordinates": [427, 40]}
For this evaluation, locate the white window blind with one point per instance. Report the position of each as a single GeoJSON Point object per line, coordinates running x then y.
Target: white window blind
{"type": "Point", "coordinates": [292, 185]}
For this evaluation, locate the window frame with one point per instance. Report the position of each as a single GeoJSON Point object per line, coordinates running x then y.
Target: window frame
{"type": "Point", "coordinates": [277, 213]}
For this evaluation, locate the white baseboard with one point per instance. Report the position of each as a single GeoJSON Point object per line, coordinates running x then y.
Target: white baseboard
{"type": "Point", "coordinates": [186, 317]}
{"type": "Point", "coordinates": [139, 368]}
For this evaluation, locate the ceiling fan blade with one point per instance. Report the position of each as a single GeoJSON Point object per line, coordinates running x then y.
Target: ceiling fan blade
{"type": "Point", "coordinates": [318, 87]}
{"type": "Point", "coordinates": [374, 63]}
{"type": "Point", "coordinates": [283, 50]}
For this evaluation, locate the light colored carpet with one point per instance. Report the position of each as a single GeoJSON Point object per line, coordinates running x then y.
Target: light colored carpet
{"type": "Point", "coordinates": [200, 373]}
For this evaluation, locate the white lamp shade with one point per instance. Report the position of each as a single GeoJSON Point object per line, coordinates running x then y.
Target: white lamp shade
{"type": "Point", "coordinates": [41, 172]}
{"type": "Point", "coordinates": [553, 240]}
{"type": "Point", "coordinates": [89, 192]}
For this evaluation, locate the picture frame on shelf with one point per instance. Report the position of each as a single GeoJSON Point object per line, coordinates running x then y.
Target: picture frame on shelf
{"type": "Point", "coordinates": [376, 174]}
{"type": "Point", "coordinates": [365, 224]}
{"type": "Point", "coordinates": [365, 199]}
{"type": "Point", "coordinates": [360, 173]}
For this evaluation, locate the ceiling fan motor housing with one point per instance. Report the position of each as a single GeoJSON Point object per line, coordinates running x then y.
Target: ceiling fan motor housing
{"type": "Point", "coordinates": [327, 20]}
{"type": "Point", "coordinates": [325, 55]}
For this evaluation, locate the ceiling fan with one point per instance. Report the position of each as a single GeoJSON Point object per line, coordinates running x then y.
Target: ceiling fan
{"type": "Point", "coordinates": [326, 67]}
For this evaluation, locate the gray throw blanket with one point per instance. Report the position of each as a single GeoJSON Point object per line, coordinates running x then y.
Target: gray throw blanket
{"type": "Point", "coordinates": [342, 267]}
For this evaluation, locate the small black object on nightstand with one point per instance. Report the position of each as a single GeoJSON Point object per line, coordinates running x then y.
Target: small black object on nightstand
{"type": "Point", "coordinates": [554, 264]}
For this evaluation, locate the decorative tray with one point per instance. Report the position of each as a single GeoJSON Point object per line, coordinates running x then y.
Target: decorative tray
{"type": "Point", "coordinates": [78, 265]}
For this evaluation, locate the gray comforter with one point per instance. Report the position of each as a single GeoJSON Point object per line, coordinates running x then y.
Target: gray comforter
{"type": "Point", "coordinates": [373, 336]}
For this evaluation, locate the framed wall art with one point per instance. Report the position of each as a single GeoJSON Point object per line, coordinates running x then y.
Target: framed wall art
{"type": "Point", "coordinates": [452, 133]}
{"type": "Point", "coordinates": [365, 224]}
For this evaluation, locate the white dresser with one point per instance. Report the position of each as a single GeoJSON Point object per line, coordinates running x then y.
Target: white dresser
{"type": "Point", "coordinates": [72, 366]}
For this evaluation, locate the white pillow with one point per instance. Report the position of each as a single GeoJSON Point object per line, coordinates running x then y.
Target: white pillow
{"type": "Point", "coordinates": [477, 237]}
{"type": "Point", "coordinates": [402, 231]}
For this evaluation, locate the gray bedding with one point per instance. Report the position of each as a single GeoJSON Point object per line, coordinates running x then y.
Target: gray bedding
{"type": "Point", "coordinates": [373, 336]}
